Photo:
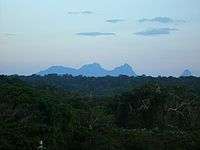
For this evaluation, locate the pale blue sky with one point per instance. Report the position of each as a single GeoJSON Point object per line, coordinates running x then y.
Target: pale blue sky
{"type": "Point", "coordinates": [35, 34]}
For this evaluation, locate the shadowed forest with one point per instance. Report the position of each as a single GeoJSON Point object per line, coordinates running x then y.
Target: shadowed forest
{"type": "Point", "coordinates": [99, 113]}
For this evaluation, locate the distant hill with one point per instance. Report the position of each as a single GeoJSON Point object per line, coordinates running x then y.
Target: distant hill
{"type": "Point", "coordinates": [90, 70]}
{"type": "Point", "coordinates": [186, 73]}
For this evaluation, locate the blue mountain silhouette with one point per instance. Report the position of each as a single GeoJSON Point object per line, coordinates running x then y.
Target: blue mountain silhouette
{"type": "Point", "coordinates": [186, 73]}
{"type": "Point", "coordinates": [90, 70]}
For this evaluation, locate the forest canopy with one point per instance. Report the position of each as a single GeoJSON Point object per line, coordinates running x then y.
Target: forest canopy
{"type": "Point", "coordinates": [99, 113]}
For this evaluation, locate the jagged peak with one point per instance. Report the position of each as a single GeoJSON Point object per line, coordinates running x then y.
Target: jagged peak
{"type": "Point", "coordinates": [126, 65]}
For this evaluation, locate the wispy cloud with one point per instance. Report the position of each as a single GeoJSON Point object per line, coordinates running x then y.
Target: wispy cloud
{"type": "Point", "coordinates": [165, 20]}
{"type": "Point", "coordinates": [156, 31]}
{"type": "Point", "coordinates": [114, 20]}
{"type": "Point", "coordinates": [94, 34]}
{"type": "Point", "coordinates": [86, 12]}
{"type": "Point", "coordinates": [8, 35]}
{"type": "Point", "coordinates": [80, 12]}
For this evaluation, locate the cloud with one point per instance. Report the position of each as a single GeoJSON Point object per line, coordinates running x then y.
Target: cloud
{"type": "Point", "coordinates": [73, 13]}
{"type": "Point", "coordinates": [114, 20]}
{"type": "Point", "coordinates": [156, 31]}
{"type": "Point", "coordinates": [86, 12]}
{"type": "Point", "coordinates": [166, 20]}
{"type": "Point", "coordinates": [7, 35]}
{"type": "Point", "coordinates": [94, 34]}
{"type": "Point", "coordinates": [80, 12]}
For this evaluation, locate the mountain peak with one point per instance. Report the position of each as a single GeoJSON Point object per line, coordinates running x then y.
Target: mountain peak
{"type": "Point", "coordinates": [96, 64]}
{"type": "Point", "coordinates": [92, 65]}
{"type": "Point", "coordinates": [56, 67]}
{"type": "Point", "coordinates": [125, 69]}
{"type": "Point", "coordinates": [186, 73]}
{"type": "Point", "coordinates": [60, 70]}
{"type": "Point", "coordinates": [126, 66]}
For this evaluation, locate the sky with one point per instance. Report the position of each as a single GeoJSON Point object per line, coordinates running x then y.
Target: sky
{"type": "Point", "coordinates": [155, 37]}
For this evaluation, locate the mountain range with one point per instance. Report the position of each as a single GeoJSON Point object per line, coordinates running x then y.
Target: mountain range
{"type": "Point", "coordinates": [90, 70]}
{"type": "Point", "coordinates": [95, 70]}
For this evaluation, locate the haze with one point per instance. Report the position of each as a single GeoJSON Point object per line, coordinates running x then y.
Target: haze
{"type": "Point", "coordinates": [155, 37]}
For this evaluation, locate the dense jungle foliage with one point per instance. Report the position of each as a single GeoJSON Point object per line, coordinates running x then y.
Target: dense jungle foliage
{"type": "Point", "coordinates": [104, 113]}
